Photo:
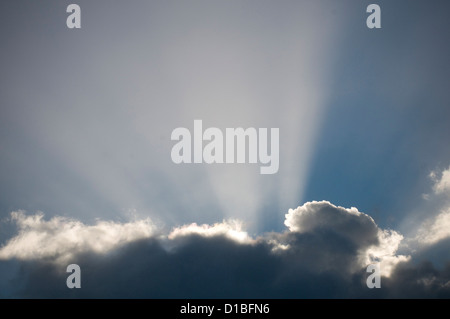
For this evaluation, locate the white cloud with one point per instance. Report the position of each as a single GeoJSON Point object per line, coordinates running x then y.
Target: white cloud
{"type": "Point", "coordinates": [60, 239]}
{"type": "Point", "coordinates": [315, 214]}
{"type": "Point", "coordinates": [349, 222]}
{"type": "Point", "coordinates": [231, 229]}
{"type": "Point", "coordinates": [442, 184]}
{"type": "Point", "coordinates": [435, 229]}
{"type": "Point", "coordinates": [385, 252]}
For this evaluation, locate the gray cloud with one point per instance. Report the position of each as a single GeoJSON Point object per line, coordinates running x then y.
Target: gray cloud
{"type": "Point", "coordinates": [323, 254]}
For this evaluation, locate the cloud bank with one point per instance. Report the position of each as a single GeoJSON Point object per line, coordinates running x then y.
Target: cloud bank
{"type": "Point", "coordinates": [323, 253]}
{"type": "Point", "coordinates": [61, 239]}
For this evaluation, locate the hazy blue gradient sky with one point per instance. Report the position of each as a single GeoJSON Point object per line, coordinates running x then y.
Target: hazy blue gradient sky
{"type": "Point", "coordinates": [88, 113]}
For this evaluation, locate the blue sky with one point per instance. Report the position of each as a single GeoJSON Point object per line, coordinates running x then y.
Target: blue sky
{"type": "Point", "coordinates": [386, 125]}
{"type": "Point", "coordinates": [87, 115]}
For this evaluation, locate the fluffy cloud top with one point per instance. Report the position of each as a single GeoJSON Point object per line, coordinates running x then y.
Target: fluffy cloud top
{"type": "Point", "coordinates": [231, 229]}
{"type": "Point", "coordinates": [373, 244]}
{"type": "Point", "coordinates": [60, 239]}
{"type": "Point", "coordinates": [349, 222]}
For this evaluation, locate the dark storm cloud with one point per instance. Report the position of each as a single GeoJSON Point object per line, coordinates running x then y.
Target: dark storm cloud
{"type": "Point", "coordinates": [423, 280]}
{"type": "Point", "coordinates": [320, 260]}
{"type": "Point", "coordinates": [202, 268]}
{"type": "Point", "coordinates": [220, 268]}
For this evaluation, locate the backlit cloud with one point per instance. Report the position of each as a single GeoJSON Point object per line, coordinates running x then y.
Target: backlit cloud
{"type": "Point", "coordinates": [60, 239]}
{"type": "Point", "coordinates": [231, 229]}
{"type": "Point", "coordinates": [325, 250]}
{"type": "Point", "coordinates": [441, 181]}
{"type": "Point", "coordinates": [435, 229]}
{"type": "Point", "coordinates": [373, 244]}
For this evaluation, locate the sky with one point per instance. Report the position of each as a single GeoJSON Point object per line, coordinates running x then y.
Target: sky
{"type": "Point", "coordinates": [86, 175]}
